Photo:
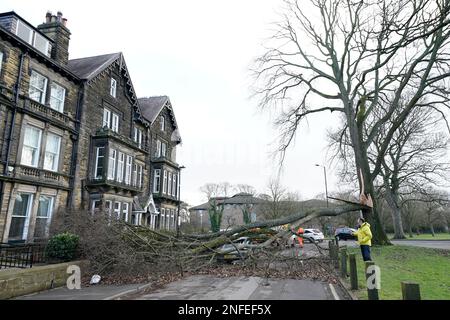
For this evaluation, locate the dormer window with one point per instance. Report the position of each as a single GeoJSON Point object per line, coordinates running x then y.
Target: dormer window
{"type": "Point", "coordinates": [33, 38]}
{"type": "Point", "coordinates": [163, 123]}
{"type": "Point", "coordinates": [113, 87]}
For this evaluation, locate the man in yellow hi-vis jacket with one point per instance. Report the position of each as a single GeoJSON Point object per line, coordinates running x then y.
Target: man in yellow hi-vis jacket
{"type": "Point", "coordinates": [364, 238]}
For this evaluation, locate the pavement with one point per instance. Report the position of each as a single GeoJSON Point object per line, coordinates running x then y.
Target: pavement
{"type": "Point", "coordinates": [97, 292]}
{"type": "Point", "coordinates": [204, 287]}
{"type": "Point", "coordinates": [433, 244]}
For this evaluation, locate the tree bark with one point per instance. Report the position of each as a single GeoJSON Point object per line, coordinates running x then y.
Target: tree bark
{"type": "Point", "coordinates": [396, 213]}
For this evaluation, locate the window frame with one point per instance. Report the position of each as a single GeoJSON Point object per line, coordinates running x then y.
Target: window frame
{"type": "Point", "coordinates": [113, 87]}
{"type": "Point", "coordinates": [164, 191]}
{"type": "Point", "coordinates": [115, 122]}
{"type": "Point", "coordinates": [112, 164]}
{"type": "Point", "coordinates": [57, 155]}
{"type": "Point", "coordinates": [27, 215]}
{"type": "Point", "coordinates": [120, 167]}
{"type": "Point", "coordinates": [125, 212]}
{"type": "Point", "coordinates": [97, 161]}
{"type": "Point", "coordinates": [128, 169]}
{"type": "Point", "coordinates": [48, 217]}
{"type": "Point", "coordinates": [52, 85]}
{"type": "Point", "coordinates": [34, 163]}
{"type": "Point", "coordinates": [162, 123]}
{"type": "Point", "coordinates": [156, 180]}
{"type": "Point", "coordinates": [106, 118]}
{"type": "Point", "coordinates": [43, 91]}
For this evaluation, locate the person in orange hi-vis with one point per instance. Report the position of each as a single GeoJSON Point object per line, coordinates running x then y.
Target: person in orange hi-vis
{"type": "Point", "coordinates": [300, 232]}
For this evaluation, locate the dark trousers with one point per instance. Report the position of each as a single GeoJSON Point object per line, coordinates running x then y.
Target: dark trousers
{"type": "Point", "coordinates": [365, 250]}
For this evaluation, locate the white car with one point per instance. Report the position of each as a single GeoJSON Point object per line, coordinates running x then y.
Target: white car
{"type": "Point", "coordinates": [313, 235]}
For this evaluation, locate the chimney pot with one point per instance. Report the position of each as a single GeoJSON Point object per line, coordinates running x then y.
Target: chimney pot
{"type": "Point", "coordinates": [64, 22]}
{"type": "Point", "coordinates": [48, 16]}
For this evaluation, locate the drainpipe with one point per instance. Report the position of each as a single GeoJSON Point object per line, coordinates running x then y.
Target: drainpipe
{"type": "Point", "coordinates": [75, 146]}
{"type": "Point", "coordinates": [11, 130]}
{"type": "Point", "coordinates": [13, 118]}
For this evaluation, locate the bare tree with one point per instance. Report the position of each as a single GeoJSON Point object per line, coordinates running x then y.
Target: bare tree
{"type": "Point", "coordinates": [347, 56]}
{"type": "Point", "coordinates": [245, 188]}
{"type": "Point", "coordinates": [279, 201]}
{"type": "Point", "coordinates": [414, 160]}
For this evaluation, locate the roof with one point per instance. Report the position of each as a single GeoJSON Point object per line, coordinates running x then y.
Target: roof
{"type": "Point", "coordinates": [89, 67]}
{"type": "Point", "coordinates": [240, 198]}
{"type": "Point", "coordinates": [243, 198]}
{"type": "Point", "coordinates": [151, 107]}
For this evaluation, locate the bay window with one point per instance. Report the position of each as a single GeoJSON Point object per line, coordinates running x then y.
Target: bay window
{"type": "Point", "coordinates": [162, 218]}
{"type": "Point", "coordinates": [52, 149]}
{"type": "Point", "coordinates": [128, 170]}
{"type": "Point", "coordinates": [135, 173]}
{"type": "Point", "coordinates": [117, 210]}
{"type": "Point", "coordinates": [120, 166]}
{"type": "Point", "coordinates": [169, 184]}
{"type": "Point", "coordinates": [125, 207]}
{"type": "Point", "coordinates": [31, 146]}
{"type": "Point", "coordinates": [112, 164]}
{"type": "Point", "coordinates": [165, 182]}
{"type": "Point", "coordinates": [140, 176]}
{"type": "Point", "coordinates": [99, 166]}
{"type": "Point", "coordinates": [156, 180]}
{"type": "Point", "coordinates": [174, 185]}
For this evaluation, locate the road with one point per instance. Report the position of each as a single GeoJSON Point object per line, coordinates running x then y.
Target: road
{"type": "Point", "coordinates": [434, 244]}
{"type": "Point", "coordinates": [205, 287]}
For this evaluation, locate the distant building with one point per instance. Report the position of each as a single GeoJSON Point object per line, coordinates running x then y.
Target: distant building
{"type": "Point", "coordinates": [233, 213]}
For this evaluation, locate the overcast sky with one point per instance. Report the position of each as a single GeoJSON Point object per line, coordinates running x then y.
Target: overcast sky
{"type": "Point", "coordinates": [198, 52]}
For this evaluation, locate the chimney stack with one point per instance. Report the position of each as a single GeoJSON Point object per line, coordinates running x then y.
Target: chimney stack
{"type": "Point", "coordinates": [55, 27]}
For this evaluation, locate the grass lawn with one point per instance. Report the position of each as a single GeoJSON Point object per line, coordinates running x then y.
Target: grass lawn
{"type": "Point", "coordinates": [427, 236]}
{"type": "Point", "coordinates": [428, 267]}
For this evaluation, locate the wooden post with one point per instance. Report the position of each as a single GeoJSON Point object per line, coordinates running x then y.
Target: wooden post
{"type": "Point", "coordinates": [353, 271]}
{"type": "Point", "coordinates": [410, 290]}
{"type": "Point", "coordinates": [344, 262]}
{"type": "Point", "coordinates": [372, 293]}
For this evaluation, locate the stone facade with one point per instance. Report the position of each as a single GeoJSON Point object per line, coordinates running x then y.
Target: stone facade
{"type": "Point", "coordinates": [72, 134]}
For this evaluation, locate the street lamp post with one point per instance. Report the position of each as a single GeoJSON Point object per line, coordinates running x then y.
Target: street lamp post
{"type": "Point", "coordinates": [179, 200]}
{"type": "Point", "coordinates": [326, 186]}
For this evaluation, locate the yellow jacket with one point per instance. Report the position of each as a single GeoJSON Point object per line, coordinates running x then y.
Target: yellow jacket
{"type": "Point", "coordinates": [364, 234]}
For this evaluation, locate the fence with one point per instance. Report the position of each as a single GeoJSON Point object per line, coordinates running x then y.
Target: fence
{"type": "Point", "coordinates": [27, 255]}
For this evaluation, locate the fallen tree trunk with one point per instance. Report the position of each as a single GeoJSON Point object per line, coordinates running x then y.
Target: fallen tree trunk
{"type": "Point", "coordinates": [220, 238]}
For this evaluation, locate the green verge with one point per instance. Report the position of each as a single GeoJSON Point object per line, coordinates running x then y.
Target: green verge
{"type": "Point", "coordinates": [428, 267]}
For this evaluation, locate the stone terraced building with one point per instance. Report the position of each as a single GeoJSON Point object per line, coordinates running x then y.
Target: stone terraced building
{"type": "Point", "coordinates": [73, 134]}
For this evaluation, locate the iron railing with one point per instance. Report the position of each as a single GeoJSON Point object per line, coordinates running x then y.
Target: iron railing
{"type": "Point", "coordinates": [28, 255]}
